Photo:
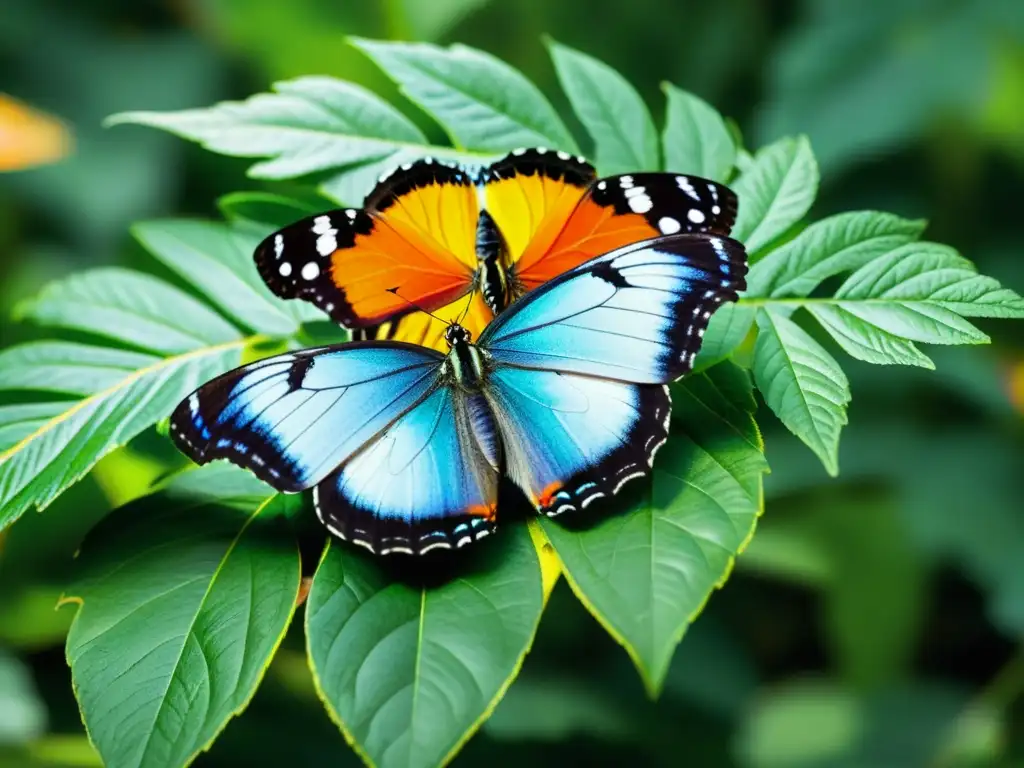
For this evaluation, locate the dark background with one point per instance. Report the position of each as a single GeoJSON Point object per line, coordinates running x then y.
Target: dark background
{"type": "Point", "coordinates": [876, 618]}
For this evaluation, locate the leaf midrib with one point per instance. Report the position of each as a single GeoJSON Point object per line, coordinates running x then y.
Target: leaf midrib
{"type": "Point", "coordinates": [792, 365]}
{"type": "Point", "coordinates": [127, 381]}
{"type": "Point", "coordinates": [188, 633]}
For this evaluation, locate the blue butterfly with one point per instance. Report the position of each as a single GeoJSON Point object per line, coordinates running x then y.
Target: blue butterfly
{"type": "Point", "coordinates": [564, 393]}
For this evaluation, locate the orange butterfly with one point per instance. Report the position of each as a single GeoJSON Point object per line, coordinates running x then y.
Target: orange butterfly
{"type": "Point", "coordinates": [433, 232]}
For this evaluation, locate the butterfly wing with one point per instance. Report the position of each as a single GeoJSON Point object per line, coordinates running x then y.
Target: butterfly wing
{"type": "Point", "coordinates": [637, 314]}
{"type": "Point", "coordinates": [429, 482]}
{"type": "Point", "coordinates": [413, 242]}
{"type": "Point", "coordinates": [569, 439]}
{"type": "Point", "coordinates": [580, 364]}
{"type": "Point", "coordinates": [530, 194]}
{"type": "Point", "coordinates": [554, 213]}
{"type": "Point", "coordinates": [293, 418]}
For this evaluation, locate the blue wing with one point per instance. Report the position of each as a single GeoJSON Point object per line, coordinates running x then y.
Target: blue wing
{"type": "Point", "coordinates": [429, 482]}
{"type": "Point", "coordinates": [636, 314]}
{"type": "Point", "coordinates": [570, 439]}
{"type": "Point", "coordinates": [293, 418]}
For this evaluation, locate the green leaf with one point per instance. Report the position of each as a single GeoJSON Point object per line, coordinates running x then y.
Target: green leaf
{"type": "Point", "coordinates": [611, 110]}
{"type": "Point", "coordinates": [217, 259]}
{"type": "Point", "coordinates": [484, 104]}
{"type": "Point", "coordinates": [802, 384]}
{"type": "Point", "coordinates": [268, 209]}
{"type": "Point", "coordinates": [913, 293]}
{"type": "Point", "coordinates": [840, 243]}
{"type": "Point", "coordinates": [696, 139]}
{"type": "Point", "coordinates": [17, 421]}
{"type": "Point", "coordinates": [727, 329]}
{"type": "Point", "coordinates": [130, 307]}
{"type": "Point", "coordinates": [311, 124]}
{"type": "Point", "coordinates": [184, 600]}
{"type": "Point", "coordinates": [775, 192]}
{"type": "Point", "coordinates": [67, 367]}
{"type": "Point", "coordinates": [409, 673]}
{"type": "Point", "coordinates": [932, 273]}
{"type": "Point", "coordinates": [865, 339]}
{"type": "Point", "coordinates": [59, 451]}
{"type": "Point", "coordinates": [646, 571]}
{"type": "Point", "coordinates": [22, 712]}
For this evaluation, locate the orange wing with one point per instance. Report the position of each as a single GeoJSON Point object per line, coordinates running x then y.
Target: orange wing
{"type": "Point", "coordinates": [413, 243]}
{"type": "Point", "coordinates": [553, 222]}
{"type": "Point", "coordinates": [534, 191]}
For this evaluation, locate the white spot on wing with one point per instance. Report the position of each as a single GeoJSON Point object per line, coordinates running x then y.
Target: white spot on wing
{"type": "Point", "coordinates": [687, 187]}
{"type": "Point", "coordinates": [326, 244]}
{"type": "Point", "coordinates": [641, 204]}
{"type": "Point", "coordinates": [311, 271]}
{"type": "Point", "coordinates": [696, 216]}
{"type": "Point", "coordinates": [668, 225]}
{"type": "Point", "coordinates": [285, 269]}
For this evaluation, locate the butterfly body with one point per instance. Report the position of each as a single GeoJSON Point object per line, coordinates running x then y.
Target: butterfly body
{"type": "Point", "coordinates": [563, 393]}
{"type": "Point", "coordinates": [433, 232]}
{"type": "Point", "coordinates": [492, 275]}
{"type": "Point", "coordinates": [466, 363]}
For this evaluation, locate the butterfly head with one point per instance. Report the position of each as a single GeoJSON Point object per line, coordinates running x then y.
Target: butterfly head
{"type": "Point", "coordinates": [455, 334]}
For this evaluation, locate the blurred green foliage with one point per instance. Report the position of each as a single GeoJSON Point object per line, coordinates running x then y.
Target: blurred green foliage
{"type": "Point", "coordinates": [875, 619]}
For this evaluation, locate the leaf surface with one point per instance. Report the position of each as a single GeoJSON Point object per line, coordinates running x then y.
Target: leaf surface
{"type": "Point", "coordinates": [484, 104]}
{"type": "Point", "coordinates": [696, 139]}
{"type": "Point", "coordinates": [646, 568]}
{"type": "Point", "coordinates": [802, 384]}
{"type": "Point", "coordinates": [614, 114]}
{"type": "Point", "coordinates": [184, 599]}
{"type": "Point", "coordinates": [130, 307]}
{"type": "Point", "coordinates": [60, 450]}
{"type": "Point", "coordinates": [307, 125]}
{"type": "Point", "coordinates": [840, 243]}
{"type": "Point", "coordinates": [410, 672]}
{"type": "Point", "coordinates": [775, 192]}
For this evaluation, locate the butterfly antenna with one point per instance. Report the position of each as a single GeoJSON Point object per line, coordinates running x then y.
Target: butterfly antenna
{"type": "Point", "coordinates": [465, 312]}
{"type": "Point", "coordinates": [416, 306]}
